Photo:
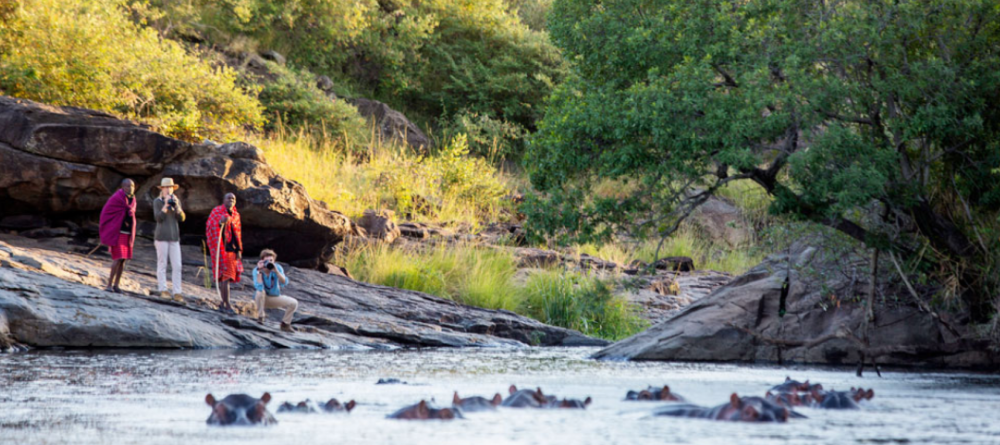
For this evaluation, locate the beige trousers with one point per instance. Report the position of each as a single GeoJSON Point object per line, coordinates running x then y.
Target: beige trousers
{"type": "Point", "coordinates": [289, 304]}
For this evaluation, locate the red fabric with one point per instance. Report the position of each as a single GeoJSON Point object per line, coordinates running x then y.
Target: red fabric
{"type": "Point", "coordinates": [113, 214]}
{"type": "Point", "coordinates": [230, 268]}
{"type": "Point", "coordinates": [122, 250]}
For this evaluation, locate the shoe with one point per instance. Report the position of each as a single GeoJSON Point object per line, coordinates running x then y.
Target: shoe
{"type": "Point", "coordinates": [116, 290]}
{"type": "Point", "coordinates": [179, 298]}
{"type": "Point", "coordinates": [164, 294]}
{"type": "Point", "coordinates": [287, 327]}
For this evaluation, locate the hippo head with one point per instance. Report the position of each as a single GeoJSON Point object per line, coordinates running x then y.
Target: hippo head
{"type": "Point", "coordinates": [859, 394]}
{"type": "Point", "coordinates": [754, 409]}
{"type": "Point", "coordinates": [422, 411]}
{"type": "Point", "coordinates": [536, 394]}
{"type": "Point", "coordinates": [476, 403]}
{"type": "Point", "coordinates": [573, 403]}
{"type": "Point", "coordinates": [334, 406]}
{"type": "Point", "coordinates": [239, 409]}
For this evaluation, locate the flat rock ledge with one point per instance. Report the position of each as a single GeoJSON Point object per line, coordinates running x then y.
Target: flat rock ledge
{"type": "Point", "coordinates": [739, 322]}
{"type": "Point", "coordinates": [51, 296]}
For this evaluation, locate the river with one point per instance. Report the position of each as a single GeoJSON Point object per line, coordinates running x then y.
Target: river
{"type": "Point", "coordinates": [155, 397]}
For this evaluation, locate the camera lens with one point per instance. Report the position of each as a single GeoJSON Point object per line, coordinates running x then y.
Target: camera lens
{"type": "Point", "coordinates": [270, 265]}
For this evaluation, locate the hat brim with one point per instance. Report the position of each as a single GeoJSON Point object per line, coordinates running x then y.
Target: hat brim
{"type": "Point", "coordinates": [175, 186]}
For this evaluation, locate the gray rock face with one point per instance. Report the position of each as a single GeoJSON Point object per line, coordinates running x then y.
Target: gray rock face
{"type": "Point", "coordinates": [50, 298]}
{"type": "Point", "coordinates": [721, 221]}
{"type": "Point", "coordinates": [739, 322]}
{"type": "Point", "coordinates": [65, 162]}
{"type": "Point", "coordinates": [392, 124]}
{"type": "Point", "coordinates": [379, 225]}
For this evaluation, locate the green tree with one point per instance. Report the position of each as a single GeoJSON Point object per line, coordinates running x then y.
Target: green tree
{"type": "Point", "coordinates": [876, 117]}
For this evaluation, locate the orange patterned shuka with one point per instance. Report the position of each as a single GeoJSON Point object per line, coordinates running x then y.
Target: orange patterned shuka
{"type": "Point", "coordinates": [230, 266]}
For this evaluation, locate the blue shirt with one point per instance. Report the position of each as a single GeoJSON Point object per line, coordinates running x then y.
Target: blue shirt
{"type": "Point", "coordinates": [268, 281]}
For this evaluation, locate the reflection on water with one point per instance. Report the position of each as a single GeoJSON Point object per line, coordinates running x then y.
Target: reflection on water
{"type": "Point", "coordinates": [140, 397]}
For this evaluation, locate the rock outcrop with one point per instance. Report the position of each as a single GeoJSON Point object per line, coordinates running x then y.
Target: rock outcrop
{"type": "Point", "coordinates": [721, 221]}
{"type": "Point", "coordinates": [50, 296]}
{"type": "Point", "coordinates": [64, 162]}
{"type": "Point", "coordinates": [740, 321]}
{"type": "Point", "coordinates": [392, 125]}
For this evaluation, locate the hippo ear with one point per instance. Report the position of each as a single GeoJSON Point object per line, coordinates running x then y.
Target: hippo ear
{"type": "Point", "coordinates": [512, 389]}
{"type": "Point", "coordinates": [539, 391]}
{"type": "Point", "coordinates": [734, 400]}
{"type": "Point", "coordinates": [869, 394]}
{"type": "Point", "coordinates": [456, 400]}
{"type": "Point", "coordinates": [497, 400]}
{"type": "Point", "coordinates": [665, 393]}
{"type": "Point", "coordinates": [265, 398]}
{"type": "Point", "coordinates": [210, 400]}
{"type": "Point", "coordinates": [349, 406]}
{"type": "Point", "coordinates": [422, 409]}
{"type": "Point", "coordinates": [587, 401]}
{"type": "Point", "coordinates": [788, 379]}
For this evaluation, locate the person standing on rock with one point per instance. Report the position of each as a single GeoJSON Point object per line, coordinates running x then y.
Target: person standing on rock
{"type": "Point", "coordinates": [225, 243]}
{"type": "Point", "coordinates": [117, 231]}
{"type": "Point", "coordinates": [167, 238]}
{"type": "Point", "coordinates": [268, 278]}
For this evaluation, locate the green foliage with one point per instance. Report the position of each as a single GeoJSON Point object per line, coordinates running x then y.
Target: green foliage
{"type": "Point", "coordinates": [490, 138]}
{"type": "Point", "coordinates": [586, 304]}
{"type": "Point", "coordinates": [835, 109]}
{"type": "Point", "coordinates": [89, 53]}
{"type": "Point", "coordinates": [293, 100]}
{"type": "Point", "coordinates": [533, 13]}
{"type": "Point", "coordinates": [434, 58]}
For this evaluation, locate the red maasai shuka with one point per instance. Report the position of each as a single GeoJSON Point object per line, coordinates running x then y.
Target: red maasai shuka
{"type": "Point", "coordinates": [122, 250]}
{"type": "Point", "coordinates": [230, 266]}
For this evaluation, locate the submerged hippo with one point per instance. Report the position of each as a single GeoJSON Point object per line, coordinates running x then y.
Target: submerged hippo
{"type": "Point", "coordinates": [334, 406]}
{"type": "Point", "coordinates": [839, 399]}
{"type": "Point", "coordinates": [301, 407]}
{"type": "Point", "coordinates": [527, 398]}
{"type": "Point", "coordinates": [655, 394]}
{"type": "Point", "coordinates": [476, 403]}
{"type": "Point", "coordinates": [739, 409]}
{"type": "Point", "coordinates": [240, 409]}
{"type": "Point", "coordinates": [796, 386]}
{"type": "Point", "coordinates": [569, 403]}
{"type": "Point", "coordinates": [423, 411]}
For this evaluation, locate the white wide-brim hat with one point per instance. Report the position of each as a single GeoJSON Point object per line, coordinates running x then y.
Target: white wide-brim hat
{"type": "Point", "coordinates": [168, 182]}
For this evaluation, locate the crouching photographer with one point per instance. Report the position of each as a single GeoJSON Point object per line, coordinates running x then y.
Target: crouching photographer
{"type": "Point", "coordinates": [268, 278]}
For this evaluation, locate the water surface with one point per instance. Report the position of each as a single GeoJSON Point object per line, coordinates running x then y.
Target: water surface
{"type": "Point", "coordinates": [147, 397]}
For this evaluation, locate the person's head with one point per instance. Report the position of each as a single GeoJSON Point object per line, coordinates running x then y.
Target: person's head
{"type": "Point", "coordinates": [167, 186]}
{"type": "Point", "coordinates": [229, 201]}
{"type": "Point", "coordinates": [128, 187]}
{"type": "Point", "coordinates": [268, 254]}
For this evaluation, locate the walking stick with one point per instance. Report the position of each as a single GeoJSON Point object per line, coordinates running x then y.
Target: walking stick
{"type": "Point", "coordinates": [218, 258]}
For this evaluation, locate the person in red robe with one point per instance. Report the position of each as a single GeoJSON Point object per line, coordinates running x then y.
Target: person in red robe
{"type": "Point", "coordinates": [117, 231]}
{"type": "Point", "coordinates": [225, 244]}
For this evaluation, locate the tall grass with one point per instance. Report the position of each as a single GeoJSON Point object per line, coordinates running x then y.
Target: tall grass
{"type": "Point", "coordinates": [485, 277]}
{"type": "Point", "coordinates": [445, 186]}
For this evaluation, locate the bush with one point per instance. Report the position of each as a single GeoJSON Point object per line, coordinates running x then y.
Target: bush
{"type": "Point", "coordinates": [293, 100]}
{"type": "Point", "coordinates": [582, 303]}
{"type": "Point", "coordinates": [89, 53]}
{"type": "Point", "coordinates": [493, 139]}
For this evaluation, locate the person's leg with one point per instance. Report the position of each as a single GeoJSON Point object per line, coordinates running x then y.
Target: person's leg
{"type": "Point", "coordinates": [259, 299]}
{"type": "Point", "coordinates": [121, 271]}
{"type": "Point", "coordinates": [289, 304]}
{"type": "Point", "coordinates": [162, 253]}
{"type": "Point", "coordinates": [175, 266]}
{"type": "Point", "coordinates": [112, 274]}
{"type": "Point", "coordinates": [224, 292]}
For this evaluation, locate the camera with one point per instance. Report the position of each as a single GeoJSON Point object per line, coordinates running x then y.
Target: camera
{"type": "Point", "coordinates": [172, 202]}
{"type": "Point", "coordinates": [270, 265]}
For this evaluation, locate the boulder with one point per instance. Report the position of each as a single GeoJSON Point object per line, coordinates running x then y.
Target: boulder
{"type": "Point", "coordinates": [64, 162]}
{"type": "Point", "coordinates": [740, 322]}
{"type": "Point", "coordinates": [273, 56]}
{"type": "Point", "coordinates": [379, 225]}
{"type": "Point", "coordinates": [721, 221]}
{"type": "Point", "coordinates": [392, 125]}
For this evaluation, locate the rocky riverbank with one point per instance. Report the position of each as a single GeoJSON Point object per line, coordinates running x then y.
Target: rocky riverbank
{"type": "Point", "coordinates": [50, 296]}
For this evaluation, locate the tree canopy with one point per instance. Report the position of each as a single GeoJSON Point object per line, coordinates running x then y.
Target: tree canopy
{"type": "Point", "coordinates": [876, 117]}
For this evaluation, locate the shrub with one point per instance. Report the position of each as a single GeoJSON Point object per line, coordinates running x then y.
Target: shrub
{"type": "Point", "coordinates": [583, 303]}
{"type": "Point", "coordinates": [493, 139]}
{"type": "Point", "coordinates": [292, 99]}
{"type": "Point", "coordinates": [89, 53]}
